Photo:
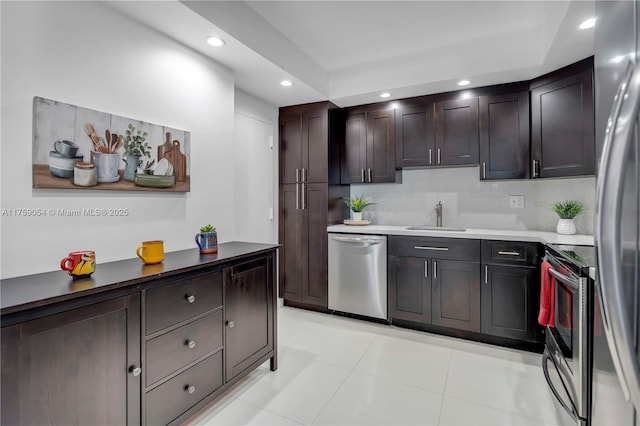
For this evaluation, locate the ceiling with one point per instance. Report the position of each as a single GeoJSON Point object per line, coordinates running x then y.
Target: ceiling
{"type": "Point", "coordinates": [351, 51]}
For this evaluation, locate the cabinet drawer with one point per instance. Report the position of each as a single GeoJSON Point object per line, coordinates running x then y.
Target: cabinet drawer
{"type": "Point", "coordinates": [169, 400]}
{"type": "Point", "coordinates": [435, 248]}
{"type": "Point", "coordinates": [170, 304]}
{"type": "Point", "coordinates": [175, 349]}
{"type": "Point", "coordinates": [510, 253]}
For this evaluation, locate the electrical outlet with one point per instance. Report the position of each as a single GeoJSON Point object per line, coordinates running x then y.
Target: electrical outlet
{"type": "Point", "coordinates": [516, 201]}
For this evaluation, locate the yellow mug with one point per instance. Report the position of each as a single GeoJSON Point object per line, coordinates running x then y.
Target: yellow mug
{"type": "Point", "coordinates": [151, 252]}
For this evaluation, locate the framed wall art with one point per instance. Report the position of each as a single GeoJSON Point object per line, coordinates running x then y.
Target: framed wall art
{"type": "Point", "coordinates": [80, 148]}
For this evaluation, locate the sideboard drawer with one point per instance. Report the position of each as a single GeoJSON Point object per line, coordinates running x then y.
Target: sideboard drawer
{"type": "Point", "coordinates": [174, 397]}
{"type": "Point", "coordinates": [173, 350]}
{"type": "Point", "coordinates": [510, 253]}
{"type": "Point", "coordinates": [179, 301]}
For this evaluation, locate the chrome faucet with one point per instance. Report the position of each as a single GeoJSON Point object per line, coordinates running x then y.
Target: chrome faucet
{"type": "Point", "coordinates": [438, 209]}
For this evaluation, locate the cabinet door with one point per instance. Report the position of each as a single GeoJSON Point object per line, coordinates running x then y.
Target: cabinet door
{"type": "Point", "coordinates": [248, 314]}
{"type": "Point", "coordinates": [457, 132]}
{"type": "Point", "coordinates": [314, 245]}
{"type": "Point", "coordinates": [381, 153]}
{"type": "Point", "coordinates": [290, 147]}
{"type": "Point", "coordinates": [504, 136]}
{"type": "Point", "coordinates": [72, 367]}
{"type": "Point", "coordinates": [456, 294]}
{"type": "Point", "coordinates": [290, 230]}
{"type": "Point", "coordinates": [414, 136]}
{"type": "Point", "coordinates": [510, 302]}
{"type": "Point", "coordinates": [409, 289]}
{"type": "Point", "coordinates": [315, 150]}
{"type": "Point", "coordinates": [354, 150]}
{"type": "Point", "coordinates": [562, 127]}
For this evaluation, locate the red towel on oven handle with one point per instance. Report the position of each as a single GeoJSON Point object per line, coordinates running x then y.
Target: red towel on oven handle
{"type": "Point", "coordinates": [546, 316]}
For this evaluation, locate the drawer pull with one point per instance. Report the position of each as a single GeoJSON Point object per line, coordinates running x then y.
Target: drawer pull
{"type": "Point", "coordinates": [231, 324]}
{"type": "Point", "coordinates": [509, 253]}
{"type": "Point", "coordinates": [431, 248]}
{"type": "Point", "coordinates": [486, 274]}
{"type": "Point", "coordinates": [190, 344]}
{"type": "Point", "coordinates": [190, 389]}
{"type": "Point", "coordinates": [135, 370]}
{"type": "Point", "coordinates": [190, 298]}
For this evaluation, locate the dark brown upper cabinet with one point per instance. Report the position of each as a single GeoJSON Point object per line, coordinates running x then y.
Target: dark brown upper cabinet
{"type": "Point", "coordinates": [304, 143]}
{"type": "Point", "coordinates": [504, 136]}
{"type": "Point", "coordinates": [415, 140]}
{"type": "Point", "coordinates": [368, 151]}
{"type": "Point", "coordinates": [562, 122]}
{"type": "Point", "coordinates": [456, 132]}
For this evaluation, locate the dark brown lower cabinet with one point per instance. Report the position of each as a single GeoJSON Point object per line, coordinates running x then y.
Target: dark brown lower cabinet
{"type": "Point", "coordinates": [72, 368]}
{"type": "Point", "coordinates": [248, 314]}
{"type": "Point", "coordinates": [510, 295]}
{"type": "Point", "coordinates": [409, 289]}
{"type": "Point", "coordinates": [456, 294]}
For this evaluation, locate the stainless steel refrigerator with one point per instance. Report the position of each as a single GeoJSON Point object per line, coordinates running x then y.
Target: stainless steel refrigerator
{"type": "Point", "coordinates": [616, 320]}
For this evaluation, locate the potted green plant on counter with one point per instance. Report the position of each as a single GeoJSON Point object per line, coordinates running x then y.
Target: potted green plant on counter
{"type": "Point", "coordinates": [567, 211]}
{"type": "Point", "coordinates": [207, 240]}
{"type": "Point", "coordinates": [357, 205]}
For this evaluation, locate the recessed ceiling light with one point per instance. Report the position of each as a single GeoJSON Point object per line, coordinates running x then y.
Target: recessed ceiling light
{"type": "Point", "coordinates": [385, 95]}
{"type": "Point", "coordinates": [589, 23]}
{"type": "Point", "coordinates": [215, 41]}
{"type": "Point", "coordinates": [463, 82]}
{"type": "Point", "coordinates": [286, 83]}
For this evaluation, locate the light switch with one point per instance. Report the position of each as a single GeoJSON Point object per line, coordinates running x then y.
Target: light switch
{"type": "Point", "coordinates": [516, 201]}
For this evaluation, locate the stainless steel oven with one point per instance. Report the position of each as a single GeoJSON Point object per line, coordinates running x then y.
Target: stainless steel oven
{"type": "Point", "coordinates": [566, 359]}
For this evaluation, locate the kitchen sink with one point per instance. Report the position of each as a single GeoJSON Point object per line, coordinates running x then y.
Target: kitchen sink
{"type": "Point", "coordinates": [434, 228]}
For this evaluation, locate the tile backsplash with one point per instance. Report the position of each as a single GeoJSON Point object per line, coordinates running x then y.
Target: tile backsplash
{"type": "Point", "coordinates": [471, 203]}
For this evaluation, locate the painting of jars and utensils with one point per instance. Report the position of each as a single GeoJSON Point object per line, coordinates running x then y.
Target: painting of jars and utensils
{"type": "Point", "coordinates": [80, 148]}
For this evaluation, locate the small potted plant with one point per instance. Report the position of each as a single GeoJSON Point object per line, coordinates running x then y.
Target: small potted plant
{"type": "Point", "coordinates": [567, 210]}
{"type": "Point", "coordinates": [357, 204]}
{"type": "Point", "coordinates": [207, 240]}
{"type": "Point", "coordinates": [134, 148]}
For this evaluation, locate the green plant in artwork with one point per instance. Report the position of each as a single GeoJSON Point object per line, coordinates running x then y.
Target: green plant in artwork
{"type": "Point", "coordinates": [134, 142]}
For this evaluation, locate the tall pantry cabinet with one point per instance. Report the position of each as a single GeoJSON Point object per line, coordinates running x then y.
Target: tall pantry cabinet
{"type": "Point", "coordinates": [310, 198]}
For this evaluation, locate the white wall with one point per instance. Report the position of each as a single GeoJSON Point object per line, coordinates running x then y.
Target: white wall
{"type": "Point", "coordinates": [87, 54]}
{"type": "Point", "coordinates": [256, 171]}
{"type": "Point", "coordinates": [471, 203]}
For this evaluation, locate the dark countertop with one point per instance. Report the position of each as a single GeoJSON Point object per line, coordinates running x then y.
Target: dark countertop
{"type": "Point", "coordinates": [30, 291]}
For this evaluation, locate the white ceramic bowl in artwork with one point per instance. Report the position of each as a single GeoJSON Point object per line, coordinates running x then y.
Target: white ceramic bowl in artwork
{"type": "Point", "coordinates": [61, 166]}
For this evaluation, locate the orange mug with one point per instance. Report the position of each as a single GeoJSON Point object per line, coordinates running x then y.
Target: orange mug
{"type": "Point", "coordinates": [151, 252]}
{"type": "Point", "coordinates": [79, 264]}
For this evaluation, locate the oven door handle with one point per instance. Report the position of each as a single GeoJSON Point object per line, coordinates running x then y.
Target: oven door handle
{"type": "Point", "coordinates": [545, 370]}
{"type": "Point", "coordinates": [575, 286]}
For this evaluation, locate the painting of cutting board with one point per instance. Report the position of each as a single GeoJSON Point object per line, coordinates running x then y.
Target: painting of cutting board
{"type": "Point", "coordinates": [81, 148]}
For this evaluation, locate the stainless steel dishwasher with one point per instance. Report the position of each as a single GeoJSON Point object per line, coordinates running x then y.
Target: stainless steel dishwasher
{"type": "Point", "coordinates": [358, 274]}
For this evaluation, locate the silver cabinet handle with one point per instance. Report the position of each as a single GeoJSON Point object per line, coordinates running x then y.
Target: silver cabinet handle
{"type": "Point", "coordinates": [435, 269]}
{"type": "Point", "coordinates": [297, 196]}
{"type": "Point", "coordinates": [297, 175]}
{"type": "Point", "coordinates": [304, 174]}
{"type": "Point", "coordinates": [190, 389]}
{"type": "Point", "coordinates": [486, 274]}
{"type": "Point", "coordinates": [369, 174]}
{"type": "Point", "coordinates": [438, 155]}
{"type": "Point", "coordinates": [533, 169]}
{"type": "Point", "coordinates": [426, 269]}
{"type": "Point", "coordinates": [135, 370]}
{"type": "Point", "coordinates": [484, 170]}
{"type": "Point", "coordinates": [431, 248]}
{"type": "Point", "coordinates": [190, 343]}
{"type": "Point", "coordinates": [362, 175]}
{"type": "Point", "coordinates": [190, 298]}
{"type": "Point", "coordinates": [619, 135]}
{"type": "Point", "coordinates": [303, 190]}
{"type": "Point", "coordinates": [509, 253]}
{"type": "Point", "coordinates": [430, 159]}
{"type": "Point", "coordinates": [231, 324]}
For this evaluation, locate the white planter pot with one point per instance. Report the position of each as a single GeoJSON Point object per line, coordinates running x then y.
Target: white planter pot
{"type": "Point", "coordinates": [356, 215]}
{"type": "Point", "coordinates": [566, 227]}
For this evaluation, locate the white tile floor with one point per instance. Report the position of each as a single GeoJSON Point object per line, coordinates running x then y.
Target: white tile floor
{"type": "Point", "coordinates": [340, 371]}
